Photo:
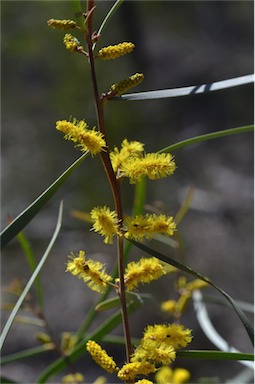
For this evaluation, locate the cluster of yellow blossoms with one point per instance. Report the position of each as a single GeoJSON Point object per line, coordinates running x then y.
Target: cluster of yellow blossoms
{"type": "Point", "coordinates": [94, 275]}
{"type": "Point", "coordinates": [161, 341]}
{"type": "Point", "coordinates": [176, 308]}
{"type": "Point", "coordinates": [158, 348]}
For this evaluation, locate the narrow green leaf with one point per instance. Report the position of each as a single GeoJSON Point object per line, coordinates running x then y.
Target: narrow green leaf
{"type": "Point", "coordinates": [108, 17]}
{"type": "Point", "coordinates": [77, 9]}
{"type": "Point", "coordinates": [27, 215]}
{"type": "Point", "coordinates": [186, 91]}
{"type": "Point", "coordinates": [6, 380]}
{"type": "Point", "coordinates": [114, 302]}
{"type": "Point", "coordinates": [27, 249]}
{"type": "Point", "coordinates": [215, 355]}
{"type": "Point", "coordinates": [188, 270]}
{"type": "Point", "coordinates": [104, 329]}
{"type": "Point", "coordinates": [31, 352]}
{"type": "Point", "coordinates": [207, 136]}
{"type": "Point", "coordinates": [22, 297]}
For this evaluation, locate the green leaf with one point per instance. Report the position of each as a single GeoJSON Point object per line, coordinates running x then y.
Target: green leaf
{"type": "Point", "coordinates": [77, 9]}
{"type": "Point", "coordinates": [188, 270]}
{"type": "Point", "coordinates": [28, 214]}
{"type": "Point", "coordinates": [115, 301]}
{"type": "Point", "coordinates": [6, 380]}
{"type": "Point", "coordinates": [215, 355]}
{"type": "Point", "coordinates": [22, 297]}
{"type": "Point", "coordinates": [27, 249]}
{"type": "Point", "coordinates": [31, 352]}
{"type": "Point", "coordinates": [207, 136]}
{"type": "Point", "coordinates": [108, 17]}
{"type": "Point", "coordinates": [111, 323]}
{"type": "Point", "coordinates": [186, 91]}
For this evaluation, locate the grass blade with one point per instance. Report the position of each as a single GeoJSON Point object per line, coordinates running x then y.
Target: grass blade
{"type": "Point", "coordinates": [188, 270]}
{"type": "Point", "coordinates": [207, 136]}
{"type": "Point", "coordinates": [17, 306]}
{"type": "Point", "coordinates": [209, 330]}
{"type": "Point", "coordinates": [215, 355]}
{"type": "Point", "coordinates": [27, 249]}
{"type": "Point", "coordinates": [108, 17]}
{"type": "Point", "coordinates": [186, 91]}
{"type": "Point", "coordinates": [31, 352]}
{"type": "Point", "coordinates": [27, 215]}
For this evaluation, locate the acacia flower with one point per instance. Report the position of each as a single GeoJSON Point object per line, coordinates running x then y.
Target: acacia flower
{"type": "Point", "coordinates": [73, 378]}
{"type": "Point", "coordinates": [84, 138]}
{"type": "Point", "coordinates": [128, 149]}
{"type": "Point", "coordinates": [115, 51]}
{"type": "Point", "coordinates": [154, 352]}
{"type": "Point", "coordinates": [153, 165]}
{"type": "Point", "coordinates": [144, 381]}
{"type": "Point", "coordinates": [146, 226]}
{"type": "Point", "coordinates": [168, 306]}
{"type": "Point", "coordinates": [143, 271]}
{"type": "Point", "coordinates": [172, 334]}
{"type": "Point", "coordinates": [71, 43]}
{"type": "Point", "coordinates": [101, 357]}
{"type": "Point", "coordinates": [130, 370]}
{"type": "Point", "coordinates": [105, 222]}
{"type": "Point", "coordinates": [62, 24]}
{"type": "Point", "coordinates": [124, 85]}
{"type": "Point", "coordinates": [166, 375]}
{"type": "Point", "coordinates": [92, 272]}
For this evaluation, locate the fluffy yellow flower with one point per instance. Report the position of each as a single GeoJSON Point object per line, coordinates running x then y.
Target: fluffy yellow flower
{"type": "Point", "coordinates": [168, 306]}
{"type": "Point", "coordinates": [172, 334]}
{"type": "Point", "coordinates": [124, 85]}
{"type": "Point", "coordinates": [115, 51]}
{"type": "Point", "coordinates": [84, 138]}
{"type": "Point", "coordinates": [143, 271]}
{"type": "Point", "coordinates": [140, 226]}
{"type": "Point", "coordinates": [131, 370]}
{"type": "Point", "coordinates": [62, 24]}
{"type": "Point", "coordinates": [73, 378]}
{"type": "Point", "coordinates": [101, 357]}
{"type": "Point", "coordinates": [105, 222]}
{"type": "Point", "coordinates": [154, 352]}
{"type": "Point", "coordinates": [71, 43]}
{"type": "Point", "coordinates": [144, 381]}
{"type": "Point", "coordinates": [165, 375]}
{"type": "Point", "coordinates": [128, 149]}
{"type": "Point", "coordinates": [92, 272]}
{"type": "Point", "coordinates": [152, 165]}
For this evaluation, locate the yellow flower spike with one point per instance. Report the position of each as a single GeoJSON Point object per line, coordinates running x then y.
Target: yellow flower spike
{"type": "Point", "coordinates": [164, 375]}
{"type": "Point", "coordinates": [143, 271]}
{"type": "Point", "coordinates": [115, 51]}
{"type": "Point", "coordinates": [105, 222]}
{"type": "Point", "coordinates": [131, 370]}
{"type": "Point", "coordinates": [62, 24]}
{"type": "Point", "coordinates": [144, 381]}
{"type": "Point", "coordinates": [196, 284]}
{"type": "Point", "coordinates": [168, 306]}
{"type": "Point", "coordinates": [154, 352]}
{"type": "Point", "coordinates": [101, 357]}
{"type": "Point", "coordinates": [71, 43]}
{"type": "Point", "coordinates": [172, 334]}
{"type": "Point", "coordinates": [123, 86]}
{"type": "Point", "coordinates": [73, 378]}
{"type": "Point", "coordinates": [84, 138]}
{"type": "Point", "coordinates": [92, 272]}
{"type": "Point", "coordinates": [153, 165]}
{"type": "Point", "coordinates": [128, 149]}
{"type": "Point", "coordinates": [180, 376]}
{"type": "Point", "coordinates": [140, 226]}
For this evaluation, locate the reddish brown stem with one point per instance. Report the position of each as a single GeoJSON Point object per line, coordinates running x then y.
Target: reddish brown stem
{"type": "Point", "coordinates": [115, 186]}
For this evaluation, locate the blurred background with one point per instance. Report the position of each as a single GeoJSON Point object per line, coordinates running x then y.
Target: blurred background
{"type": "Point", "coordinates": [178, 43]}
